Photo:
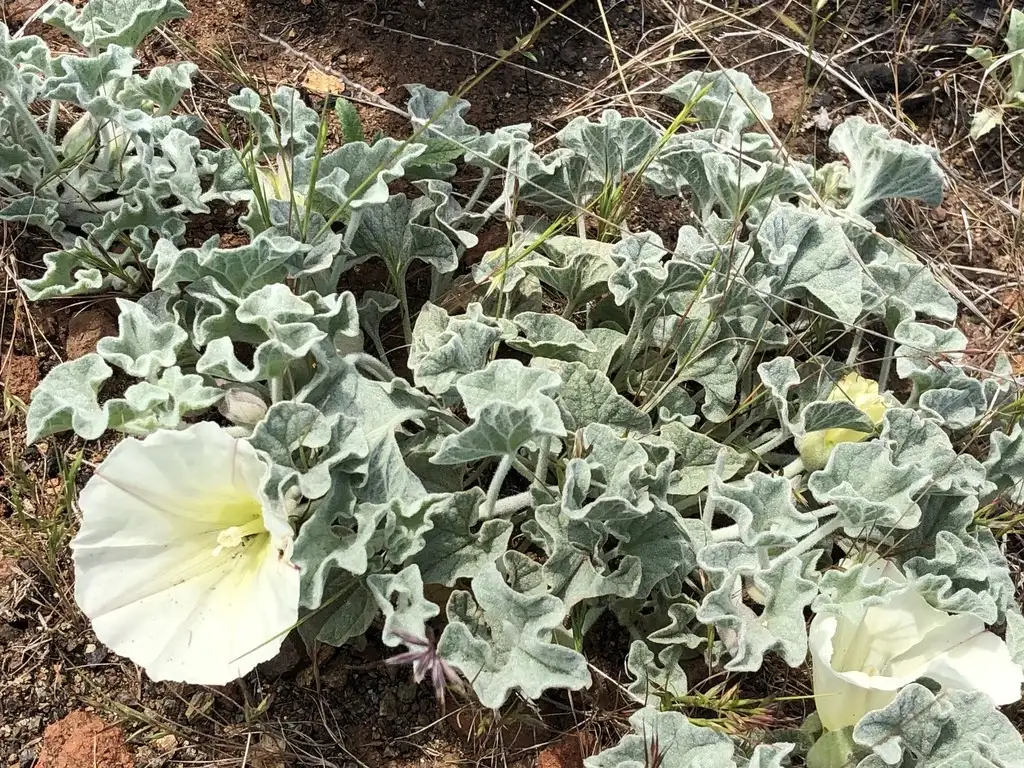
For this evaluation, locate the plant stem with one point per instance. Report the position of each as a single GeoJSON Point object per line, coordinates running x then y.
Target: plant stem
{"type": "Point", "coordinates": [794, 468]}
{"type": "Point", "coordinates": [353, 225]}
{"type": "Point", "coordinates": [276, 388]}
{"type": "Point", "coordinates": [496, 482]}
{"type": "Point", "coordinates": [474, 198]}
{"type": "Point", "coordinates": [372, 366]}
{"type": "Point", "coordinates": [512, 504]}
{"type": "Point", "coordinates": [883, 376]}
{"type": "Point", "coordinates": [813, 540]}
{"type": "Point", "coordinates": [858, 337]}
{"type": "Point", "coordinates": [776, 438]}
{"type": "Point", "coordinates": [581, 226]}
{"type": "Point", "coordinates": [540, 474]}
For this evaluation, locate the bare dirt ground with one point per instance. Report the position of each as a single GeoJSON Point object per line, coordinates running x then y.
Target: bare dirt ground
{"type": "Point", "coordinates": [66, 702]}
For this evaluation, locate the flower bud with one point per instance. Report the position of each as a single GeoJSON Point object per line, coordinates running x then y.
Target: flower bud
{"type": "Point", "coordinates": [242, 406]}
{"type": "Point", "coordinates": [816, 447]}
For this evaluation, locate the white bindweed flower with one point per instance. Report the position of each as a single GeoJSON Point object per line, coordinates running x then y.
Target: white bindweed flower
{"type": "Point", "coordinates": [863, 656]}
{"type": "Point", "coordinates": [816, 447]}
{"type": "Point", "coordinates": [178, 564]}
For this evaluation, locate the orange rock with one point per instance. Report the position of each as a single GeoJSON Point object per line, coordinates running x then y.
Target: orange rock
{"type": "Point", "coordinates": [568, 753]}
{"type": "Point", "coordinates": [83, 740]}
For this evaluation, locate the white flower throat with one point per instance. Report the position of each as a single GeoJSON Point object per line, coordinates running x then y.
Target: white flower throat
{"type": "Point", "coordinates": [236, 535]}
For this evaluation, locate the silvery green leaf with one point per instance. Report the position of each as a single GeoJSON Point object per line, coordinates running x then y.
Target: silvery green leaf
{"type": "Point", "coordinates": [1015, 634]}
{"type": "Point", "coordinates": [162, 88]}
{"type": "Point", "coordinates": [67, 399]}
{"type": "Point", "coordinates": [546, 335]}
{"type": "Point", "coordinates": [780, 376]}
{"type": "Point", "coordinates": [490, 150]}
{"type": "Point", "coordinates": [679, 166]}
{"type": "Point", "coordinates": [1005, 463]}
{"type": "Point", "coordinates": [237, 270]}
{"type": "Point", "coordinates": [588, 397]}
{"type": "Point", "coordinates": [808, 252]}
{"type": "Point", "coordinates": [958, 577]}
{"type": "Point", "coordinates": [410, 611]}
{"type": "Point", "coordinates": [499, 429]}
{"type": "Point", "coordinates": [386, 232]}
{"type": "Point", "coordinates": [303, 446]}
{"type": "Point", "coordinates": [372, 307]}
{"type": "Point", "coordinates": [903, 287]}
{"type": "Point", "coordinates": [681, 616]}
{"type": "Point", "coordinates": [336, 534]}
{"type": "Point", "coordinates": [655, 679]}
{"type": "Point", "coordinates": [143, 345]}
{"type": "Point", "coordinates": [770, 755]}
{"type": "Point", "coordinates": [556, 183]}
{"type": "Point", "coordinates": [920, 443]}
{"type": "Point", "coordinates": [100, 23]}
{"type": "Point", "coordinates": [457, 546]}
{"type": "Point", "coordinates": [445, 213]}
{"type": "Point", "coordinates": [84, 80]}
{"type": "Point", "coordinates": [697, 457]}
{"type": "Point", "coordinates": [857, 584]}
{"type": "Point", "coordinates": [445, 348]}
{"type": "Point", "coordinates": [613, 146]}
{"type": "Point", "coordinates": [356, 175]}
{"type": "Point", "coordinates": [501, 641]}
{"type": "Point", "coordinates": [763, 508]}
{"type": "Point", "coordinates": [161, 403]}
{"type": "Point", "coordinates": [641, 274]}
{"type": "Point", "coordinates": [24, 63]}
{"type": "Point", "coordinates": [731, 102]}
{"type": "Point", "coordinates": [442, 111]}
{"type": "Point", "coordinates": [576, 268]}
{"type": "Point", "coordinates": [348, 615]}
{"type": "Point", "coordinates": [919, 343]}
{"type": "Point", "coordinates": [511, 382]}
{"type": "Point", "coordinates": [947, 730]}
{"type": "Point", "coordinates": [786, 592]}
{"type": "Point", "coordinates": [871, 493]}
{"type": "Point", "coordinates": [883, 168]}
{"type": "Point", "coordinates": [573, 570]}
{"type": "Point", "coordinates": [292, 326]}
{"type": "Point", "coordinates": [680, 744]}
{"type": "Point", "coordinates": [949, 395]}
{"type": "Point", "coordinates": [741, 190]}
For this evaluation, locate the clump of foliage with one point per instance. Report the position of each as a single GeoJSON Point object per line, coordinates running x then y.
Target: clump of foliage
{"type": "Point", "coordinates": [610, 427]}
{"type": "Point", "coordinates": [1012, 90]}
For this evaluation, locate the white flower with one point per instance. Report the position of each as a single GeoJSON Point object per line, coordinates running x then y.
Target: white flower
{"type": "Point", "coordinates": [863, 656]}
{"type": "Point", "coordinates": [178, 564]}
{"type": "Point", "coordinates": [816, 447]}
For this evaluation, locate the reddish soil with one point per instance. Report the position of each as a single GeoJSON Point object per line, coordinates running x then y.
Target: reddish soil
{"type": "Point", "coordinates": [82, 739]}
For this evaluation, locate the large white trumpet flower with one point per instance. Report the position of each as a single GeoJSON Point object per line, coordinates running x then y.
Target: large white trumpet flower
{"type": "Point", "coordinates": [863, 656]}
{"type": "Point", "coordinates": [178, 564]}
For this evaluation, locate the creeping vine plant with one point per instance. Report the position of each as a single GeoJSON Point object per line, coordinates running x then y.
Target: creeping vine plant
{"type": "Point", "coordinates": [629, 454]}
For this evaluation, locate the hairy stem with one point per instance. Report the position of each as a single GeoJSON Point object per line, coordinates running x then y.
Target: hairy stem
{"type": "Point", "coordinates": [353, 225]}
{"type": "Point", "coordinates": [883, 376]}
{"type": "Point", "coordinates": [496, 482]}
{"type": "Point", "coordinates": [474, 198]}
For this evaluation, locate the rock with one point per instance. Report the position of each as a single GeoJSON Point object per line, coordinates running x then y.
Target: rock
{"type": "Point", "coordinates": [567, 753]}
{"type": "Point", "coordinates": [19, 376]}
{"type": "Point", "coordinates": [95, 654]}
{"type": "Point", "coordinates": [87, 328]}
{"type": "Point", "coordinates": [287, 661]}
{"type": "Point", "coordinates": [83, 739]}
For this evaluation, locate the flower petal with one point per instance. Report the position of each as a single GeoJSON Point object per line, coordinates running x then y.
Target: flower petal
{"type": "Point", "coordinates": [982, 663]}
{"type": "Point", "coordinates": [842, 699]}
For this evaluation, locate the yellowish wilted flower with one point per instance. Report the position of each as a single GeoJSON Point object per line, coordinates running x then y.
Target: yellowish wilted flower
{"type": "Point", "coordinates": [816, 447]}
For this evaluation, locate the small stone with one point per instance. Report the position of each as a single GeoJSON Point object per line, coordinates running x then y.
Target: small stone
{"type": "Point", "coordinates": [27, 758]}
{"type": "Point", "coordinates": [166, 743]}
